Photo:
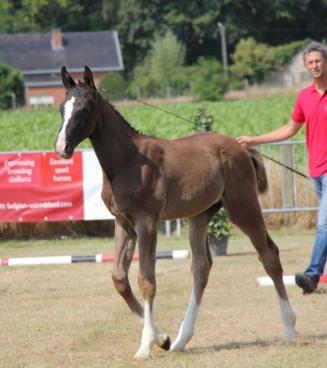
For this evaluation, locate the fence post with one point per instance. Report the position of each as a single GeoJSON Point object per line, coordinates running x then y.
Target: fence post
{"type": "Point", "coordinates": [287, 176]}
{"type": "Point", "coordinates": [168, 227]}
{"type": "Point", "coordinates": [178, 227]}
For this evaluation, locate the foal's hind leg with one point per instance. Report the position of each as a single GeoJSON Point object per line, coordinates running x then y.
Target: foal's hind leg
{"type": "Point", "coordinates": [287, 313]}
{"type": "Point", "coordinates": [201, 265]}
{"type": "Point", "coordinates": [244, 211]}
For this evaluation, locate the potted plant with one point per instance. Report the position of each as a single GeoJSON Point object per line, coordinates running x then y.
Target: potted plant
{"type": "Point", "coordinates": [219, 233]}
{"type": "Point", "coordinates": [202, 121]}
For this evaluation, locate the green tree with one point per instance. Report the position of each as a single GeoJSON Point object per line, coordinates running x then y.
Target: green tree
{"type": "Point", "coordinates": [252, 61]}
{"type": "Point", "coordinates": [143, 83]}
{"type": "Point", "coordinates": [209, 82]}
{"type": "Point", "coordinates": [195, 24]}
{"type": "Point", "coordinates": [6, 17]}
{"type": "Point", "coordinates": [44, 15]}
{"type": "Point", "coordinates": [166, 56]}
{"type": "Point", "coordinates": [113, 86]}
{"type": "Point", "coordinates": [139, 21]}
{"type": "Point", "coordinates": [162, 68]}
{"type": "Point", "coordinates": [273, 22]}
{"type": "Point", "coordinates": [11, 87]}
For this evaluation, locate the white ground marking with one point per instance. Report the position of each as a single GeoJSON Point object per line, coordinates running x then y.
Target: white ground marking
{"type": "Point", "coordinates": [61, 140]}
{"type": "Point", "coordinates": [187, 327]}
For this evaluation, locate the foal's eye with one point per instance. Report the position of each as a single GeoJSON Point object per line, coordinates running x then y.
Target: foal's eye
{"type": "Point", "coordinates": [88, 107]}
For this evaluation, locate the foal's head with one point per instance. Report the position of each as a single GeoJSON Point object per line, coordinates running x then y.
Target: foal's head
{"type": "Point", "coordinates": [78, 112]}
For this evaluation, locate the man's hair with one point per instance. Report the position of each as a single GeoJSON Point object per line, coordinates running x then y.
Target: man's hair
{"type": "Point", "coordinates": [317, 47]}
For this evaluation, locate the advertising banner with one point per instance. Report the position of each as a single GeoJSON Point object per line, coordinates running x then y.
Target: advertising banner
{"type": "Point", "coordinates": [41, 186]}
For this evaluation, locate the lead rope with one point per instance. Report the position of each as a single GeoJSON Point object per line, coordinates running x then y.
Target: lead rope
{"type": "Point", "coordinates": [190, 121]}
{"type": "Point", "coordinates": [286, 166]}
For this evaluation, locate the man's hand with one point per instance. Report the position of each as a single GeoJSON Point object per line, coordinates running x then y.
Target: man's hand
{"type": "Point", "coordinates": [246, 141]}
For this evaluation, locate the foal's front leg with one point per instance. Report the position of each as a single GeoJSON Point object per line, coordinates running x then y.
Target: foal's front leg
{"type": "Point", "coordinates": [147, 237]}
{"type": "Point", "coordinates": [125, 239]}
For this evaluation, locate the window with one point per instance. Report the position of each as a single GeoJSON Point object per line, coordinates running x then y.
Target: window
{"type": "Point", "coordinates": [37, 101]}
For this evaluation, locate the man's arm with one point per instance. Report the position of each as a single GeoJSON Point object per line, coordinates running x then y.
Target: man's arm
{"type": "Point", "coordinates": [280, 134]}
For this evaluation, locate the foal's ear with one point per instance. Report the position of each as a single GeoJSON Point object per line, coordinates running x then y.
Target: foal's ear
{"type": "Point", "coordinates": [67, 80]}
{"type": "Point", "coordinates": [88, 77]}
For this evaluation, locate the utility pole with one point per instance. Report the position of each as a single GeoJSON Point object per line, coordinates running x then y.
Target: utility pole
{"type": "Point", "coordinates": [222, 30]}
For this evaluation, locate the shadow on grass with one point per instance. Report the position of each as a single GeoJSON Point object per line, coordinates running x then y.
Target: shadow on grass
{"type": "Point", "coordinates": [303, 340]}
{"type": "Point", "coordinates": [239, 345]}
{"type": "Point", "coordinates": [232, 346]}
{"type": "Point", "coordinates": [318, 337]}
{"type": "Point", "coordinates": [251, 252]}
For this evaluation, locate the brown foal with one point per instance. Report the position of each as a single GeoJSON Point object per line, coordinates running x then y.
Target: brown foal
{"type": "Point", "coordinates": [147, 179]}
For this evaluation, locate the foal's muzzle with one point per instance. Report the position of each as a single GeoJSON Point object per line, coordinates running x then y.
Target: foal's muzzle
{"type": "Point", "coordinates": [64, 149]}
{"type": "Point", "coordinates": [68, 152]}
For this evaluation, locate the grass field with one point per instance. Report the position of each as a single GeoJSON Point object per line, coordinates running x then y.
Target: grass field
{"type": "Point", "coordinates": [71, 316]}
{"type": "Point", "coordinates": [36, 129]}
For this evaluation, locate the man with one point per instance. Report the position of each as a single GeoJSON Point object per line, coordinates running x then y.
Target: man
{"type": "Point", "coordinates": [310, 109]}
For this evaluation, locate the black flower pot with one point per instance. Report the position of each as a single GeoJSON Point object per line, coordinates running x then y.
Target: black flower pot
{"type": "Point", "coordinates": [218, 247]}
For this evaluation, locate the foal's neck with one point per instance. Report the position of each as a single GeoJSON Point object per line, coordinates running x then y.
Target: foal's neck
{"type": "Point", "coordinates": [113, 139]}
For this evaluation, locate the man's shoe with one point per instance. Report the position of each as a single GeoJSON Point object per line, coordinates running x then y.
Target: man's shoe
{"type": "Point", "coordinates": [306, 282]}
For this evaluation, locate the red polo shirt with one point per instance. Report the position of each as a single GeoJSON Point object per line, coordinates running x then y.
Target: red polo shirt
{"type": "Point", "coordinates": [311, 108]}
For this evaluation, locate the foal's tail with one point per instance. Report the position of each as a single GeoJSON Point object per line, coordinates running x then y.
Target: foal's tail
{"type": "Point", "coordinates": [260, 170]}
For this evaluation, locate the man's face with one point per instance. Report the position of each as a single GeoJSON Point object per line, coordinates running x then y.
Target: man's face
{"type": "Point", "coordinates": [315, 64]}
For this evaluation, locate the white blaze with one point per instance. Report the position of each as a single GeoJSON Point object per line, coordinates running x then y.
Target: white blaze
{"type": "Point", "coordinates": [61, 140]}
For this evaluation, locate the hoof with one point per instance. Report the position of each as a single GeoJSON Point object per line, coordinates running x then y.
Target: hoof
{"type": "Point", "coordinates": [290, 336]}
{"type": "Point", "coordinates": [141, 356]}
{"type": "Point", "coordinates": [166, 344]}
{"type": "Point", "coordinates": [177, 347]}
{"type": "Point", "coordinates": [180, 343]}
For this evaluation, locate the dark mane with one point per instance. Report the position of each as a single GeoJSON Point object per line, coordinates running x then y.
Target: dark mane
{"type": "Point", "coordinates": [117, 113]}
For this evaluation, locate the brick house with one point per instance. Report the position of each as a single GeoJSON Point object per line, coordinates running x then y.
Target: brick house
{"type": "Point", "coordinates": [41, 56]}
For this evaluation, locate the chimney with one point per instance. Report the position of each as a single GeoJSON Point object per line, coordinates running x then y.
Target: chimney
{"type": "Point", "coordinates": [56, 40]}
